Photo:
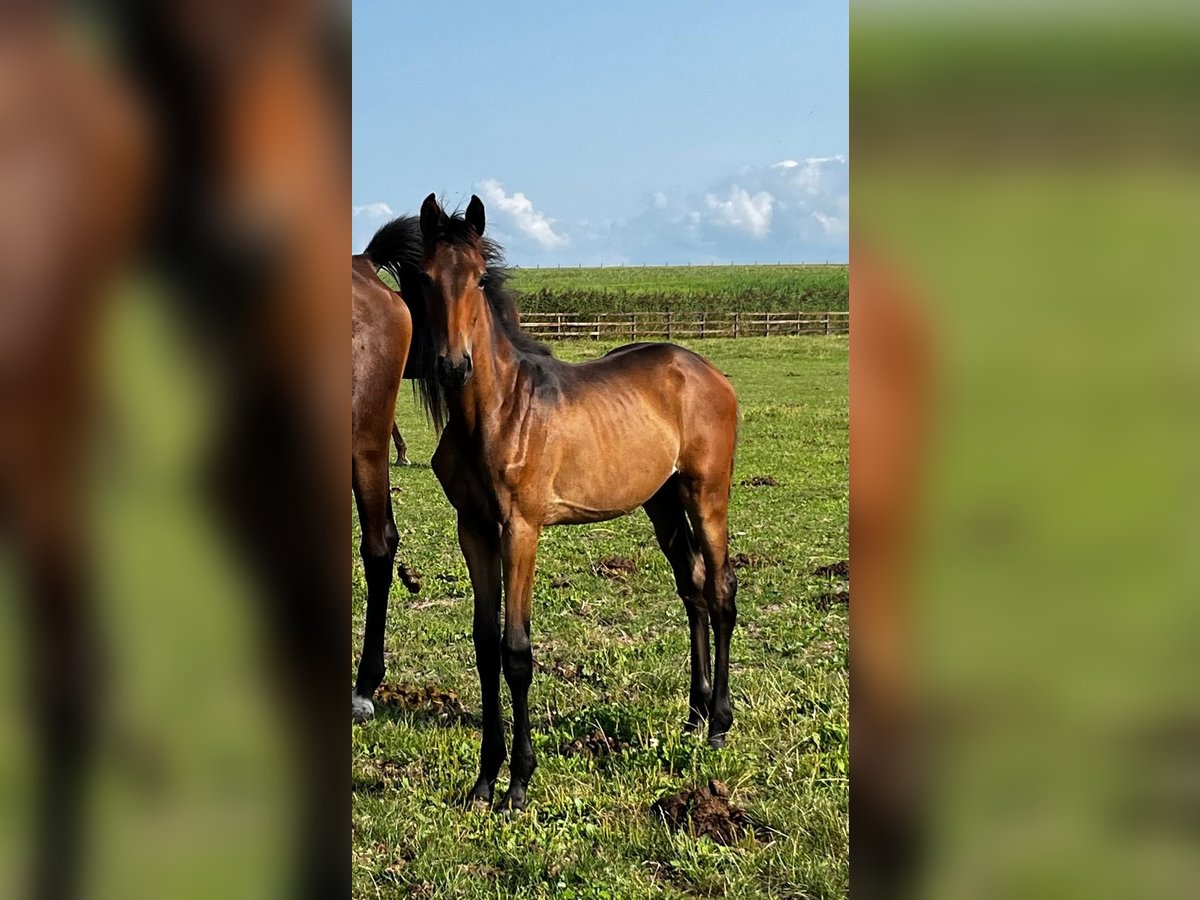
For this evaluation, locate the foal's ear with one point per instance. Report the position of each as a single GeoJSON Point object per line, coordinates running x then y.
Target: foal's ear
{"type": "Point", "coordinates": [431, 217]}
{"type": "Point", "coordinates": [475, 215]}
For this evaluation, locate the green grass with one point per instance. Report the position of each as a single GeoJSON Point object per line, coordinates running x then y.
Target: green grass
{"type": "Point", "coordinates": [587, 831]}
{"type": "Point", "coordinates": [683, 288]}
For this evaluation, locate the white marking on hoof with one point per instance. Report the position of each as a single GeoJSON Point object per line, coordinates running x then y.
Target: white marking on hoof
{"type": "Point", "coordinates": [361, 708]}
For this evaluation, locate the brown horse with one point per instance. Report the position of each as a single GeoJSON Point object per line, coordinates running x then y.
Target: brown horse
{"type": "Point", "coordinates": [531, 441]}
{"type": "Point", "coordinates": [381, 333]}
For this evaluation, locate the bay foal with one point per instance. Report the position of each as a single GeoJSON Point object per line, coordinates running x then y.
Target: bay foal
{"type": "Point", "coordinates": [531, 441]}
{"type": "Point", "coordinates": [381, 332]}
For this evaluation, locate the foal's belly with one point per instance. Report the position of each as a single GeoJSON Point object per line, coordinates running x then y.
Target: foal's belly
{"type": "Point", "coordinates": [596, 484]}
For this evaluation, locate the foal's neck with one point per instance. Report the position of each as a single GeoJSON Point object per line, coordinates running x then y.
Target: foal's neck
{"type": "Point", "coordinates": [496, 362]}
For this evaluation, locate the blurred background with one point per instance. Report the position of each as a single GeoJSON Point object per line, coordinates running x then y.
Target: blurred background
{"type": "Point", "coordinates": [1023, 429]}
{"type": "Point", "coordinates": [174, 384]}
{"type": "Point", "coordinates": [1024, 435]}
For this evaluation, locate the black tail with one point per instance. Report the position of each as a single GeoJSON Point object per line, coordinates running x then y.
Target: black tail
{"type": "Point", "coordinates": [397, 248]}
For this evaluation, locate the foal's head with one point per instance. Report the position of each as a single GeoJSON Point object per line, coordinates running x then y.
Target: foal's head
{"type": "Point", "coordinates": [454, 270]}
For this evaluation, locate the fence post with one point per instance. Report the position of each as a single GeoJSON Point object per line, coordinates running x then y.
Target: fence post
{"type": "Point", "coordinates": [703, 318]}
{"type": "Point", "coordinates": [559, 318]}
{"type": "Point", "coordinates": [668, 324]}
{"type": "Point", "coordinates": [735, 324]}
{"type": "Point", "coordinates": [827, 323]}
{"type": "Point", "coordinates": [767, 333]}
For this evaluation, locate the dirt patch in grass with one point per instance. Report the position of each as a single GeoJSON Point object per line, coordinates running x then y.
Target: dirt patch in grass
{"type": "Point", "coordinates": [614, 567]}
{"type": "Point", "coordinates": [409, 577]}
{"type": "Point", "coordinates": [840, 569]}
{"type": "Point", "coordinates": [430, 700]}
{"type": "Point", "coordinates": [751, 561]}
{"type": "Point", "coordinates": [759, 481]}
{"type": "Point", "coordinates": [830, 600]}
{"type": "Point", "coordinates": [594, 745]}
{"type": "Point", "coordinates": [568, 672]}
{"type": "Point", "coordinates": [560, 583]}
{"type": "Point", "coordinates": [707, 812]}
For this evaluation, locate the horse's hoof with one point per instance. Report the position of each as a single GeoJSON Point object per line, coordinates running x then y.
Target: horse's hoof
{"type": "Point", "coordinates": [361, 709]}
{"type": "Point", "coordinates": [511, 803]}
{"type": "Point", "coordinates": [716, 741]}
{"type": "Point", "coordinates": [404, 462]}
{"type": "Point", "coordinates": [480, 797]}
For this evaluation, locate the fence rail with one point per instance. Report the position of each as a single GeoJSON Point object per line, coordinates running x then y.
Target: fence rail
{"type": "Point", "coordinates": [637, 325]}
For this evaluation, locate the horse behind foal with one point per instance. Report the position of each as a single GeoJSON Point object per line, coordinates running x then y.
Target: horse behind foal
{"type": "Point", "coordinates": [382, 332]}
{"type": "Point", "coordinates": [531, 441]}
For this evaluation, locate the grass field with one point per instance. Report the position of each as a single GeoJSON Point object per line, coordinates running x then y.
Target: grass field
{"type": "Point", "coordinates": [612, 655]}
{"type": "Point", "coordinates": [708, 288]}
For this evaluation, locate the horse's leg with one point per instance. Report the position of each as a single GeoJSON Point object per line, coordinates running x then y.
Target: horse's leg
{"type": "Point", "coordinates": [378, 548]}
{"type": "Point", "coordinates": [401, 447]}
{"type": "Point", "coordinates": [65, 693]}
{"type": "Point", "coordinates": [707, 503]}
{"type": "Point", "coordinates": [678, 544]}
{"type": "Point", "coordinates": [519, 553]}
{"type": "Point", "coordinates": [481, 549]}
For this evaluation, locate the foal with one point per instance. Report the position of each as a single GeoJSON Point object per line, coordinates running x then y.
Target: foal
{"type": "Point", "coordinates": [381, 329]}
{"type": "Point", "coordinates": [531, 441]}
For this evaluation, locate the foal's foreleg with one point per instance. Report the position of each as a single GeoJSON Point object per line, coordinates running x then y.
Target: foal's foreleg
{"type": "Point", "coordinates": [481, 549]}
{"type": "Point", "coordinates": [519, 552]}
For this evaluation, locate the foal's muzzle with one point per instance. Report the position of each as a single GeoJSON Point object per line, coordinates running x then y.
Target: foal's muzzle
{"type": "Point", "coordinates": [452, 374]}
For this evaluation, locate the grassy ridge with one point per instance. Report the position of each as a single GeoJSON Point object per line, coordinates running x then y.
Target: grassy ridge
{"type": "Point", "coordinates": [708, 288]}
{"type": "Point", "coordinates": [612, 654]}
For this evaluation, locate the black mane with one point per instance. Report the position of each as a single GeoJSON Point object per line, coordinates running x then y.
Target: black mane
{"type": "Point", "coordinates": [398, 247]}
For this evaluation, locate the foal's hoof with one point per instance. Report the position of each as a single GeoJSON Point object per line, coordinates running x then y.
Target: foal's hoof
{"type": "Point", "coordinates": [480, 797]}
{"type": "Point", "coordinates": [361, 709]}
{"type": "Point", "coordinates": [512, 802]}
{"type": "Point", "coordinates": [716, 741]}
{"type": "Point", "coordinates": [404, 461]}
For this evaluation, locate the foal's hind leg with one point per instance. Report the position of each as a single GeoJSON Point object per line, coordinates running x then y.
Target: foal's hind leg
{"type": "Point", "coordinates": [378, 548]}
{"type": "Point", "coordinates": [707, 504]}
{"type": "Point", "coordinates": [401, 447]}
{"type": "Point", "coordinates": [678, 544]}
{"type": "Point", "coordinates": [518, 544]}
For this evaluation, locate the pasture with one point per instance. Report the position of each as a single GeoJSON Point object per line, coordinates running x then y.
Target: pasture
{"type": "Point", "coordinates": [610, 688]}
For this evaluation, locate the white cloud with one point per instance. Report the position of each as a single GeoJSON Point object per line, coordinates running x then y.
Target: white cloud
{"type": "Point", "coordinates": [741, 211]}
{"type": "Point", "coordinates": [831, 224]}
{"type": "Point", "coordinates": [518, 210]}
{"type": "Point", "coordinates": [792, 210]}
{"type": "Point", "coordinates": [373, 209]}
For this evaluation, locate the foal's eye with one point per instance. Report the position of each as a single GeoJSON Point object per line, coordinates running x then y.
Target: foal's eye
{"type": "Point", "coordinates": [483, 280]}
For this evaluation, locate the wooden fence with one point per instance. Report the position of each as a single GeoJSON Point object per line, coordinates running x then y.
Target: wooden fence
{"type": "Point", "coordinates": [668, 325]}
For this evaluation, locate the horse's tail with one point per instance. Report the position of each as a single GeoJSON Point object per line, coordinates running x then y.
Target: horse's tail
{"type": "Point", "coordinates": [396, 247]}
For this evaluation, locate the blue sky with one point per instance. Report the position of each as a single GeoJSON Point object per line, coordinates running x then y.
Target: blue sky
{"type": "Point", "coordinates": [663, 132]}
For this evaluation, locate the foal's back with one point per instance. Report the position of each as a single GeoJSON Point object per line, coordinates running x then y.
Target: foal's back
{"type": "Point", "coordinates": [381, 334]}
{"type": "Point", "coordinates": [627, 422]}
